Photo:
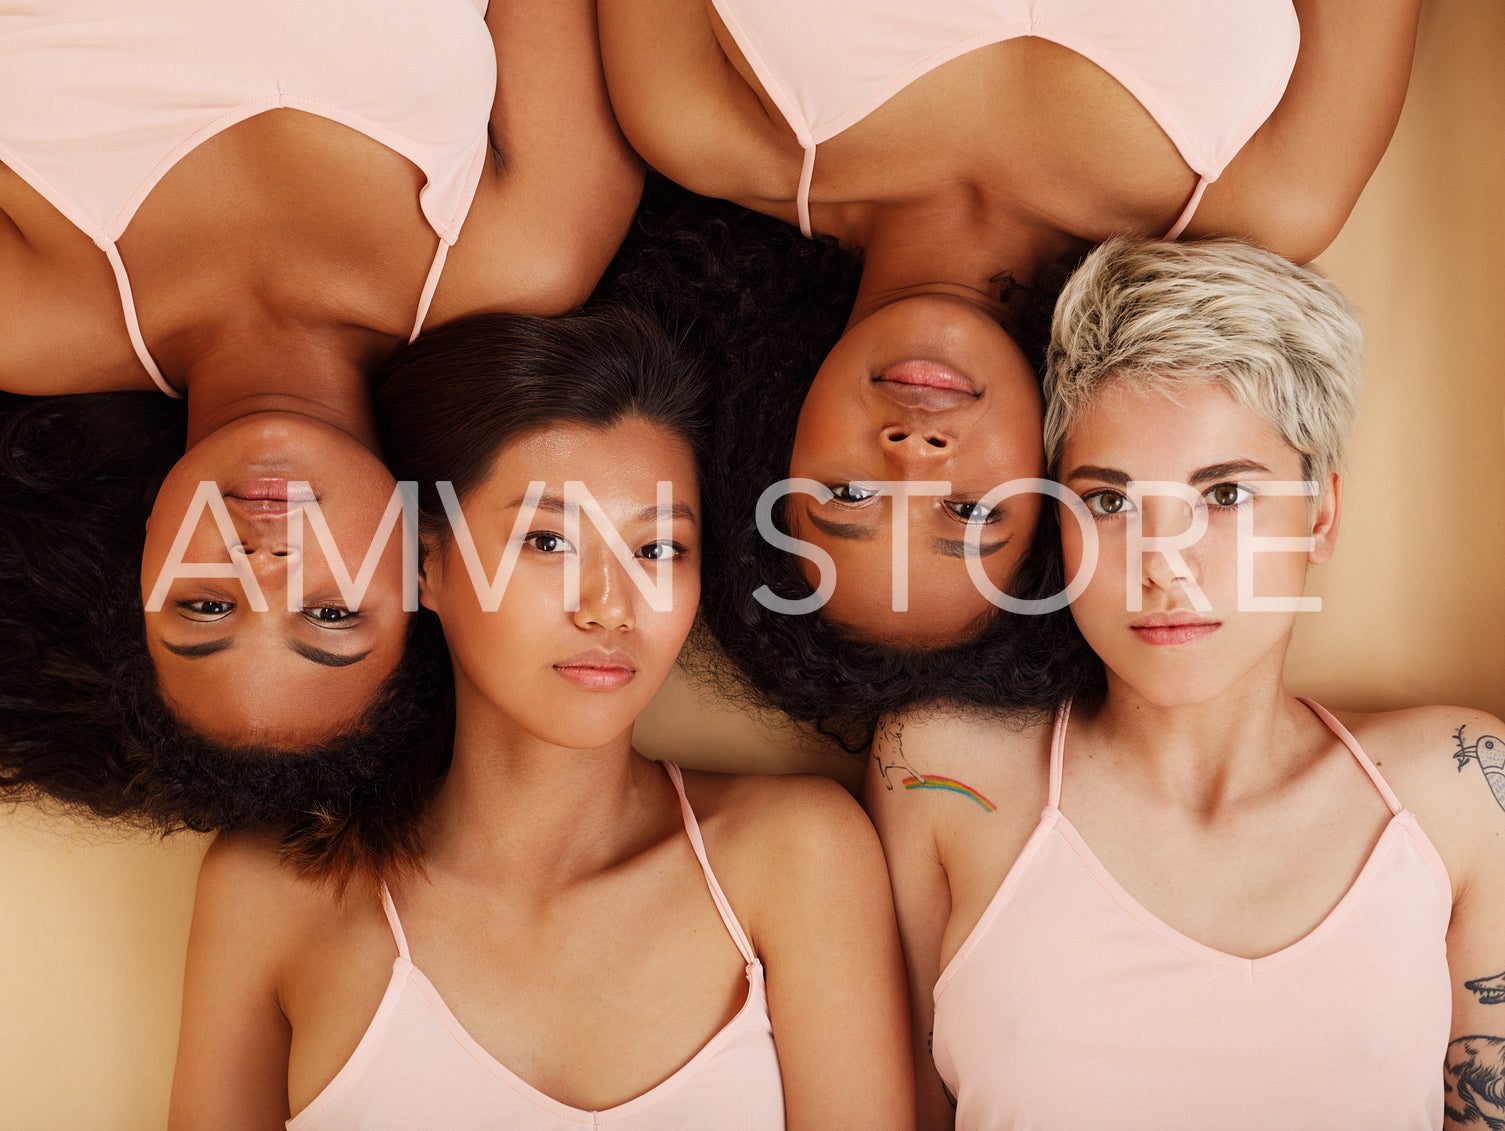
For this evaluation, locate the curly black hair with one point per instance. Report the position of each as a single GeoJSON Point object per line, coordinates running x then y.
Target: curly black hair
{"type": "Point", "coordinates": [81, 720]}
{"type": "Point", "coordinates": [765, 305]}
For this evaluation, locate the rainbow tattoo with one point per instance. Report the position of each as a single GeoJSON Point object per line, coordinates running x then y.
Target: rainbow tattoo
{"type": "Point", "coordinates": [931, 781]}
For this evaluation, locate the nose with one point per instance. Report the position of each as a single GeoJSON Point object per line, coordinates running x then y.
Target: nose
{"type": "Point", "coordinates": [268, 551]}
{"type": "Point", "coordinates": [923, 444]}
{"type": "Point", "coordinates": [606, 599]}
{"type": "Point", "coordinates": [1167, 518]}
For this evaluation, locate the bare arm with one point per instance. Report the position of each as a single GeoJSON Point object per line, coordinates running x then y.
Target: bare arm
{"type": "Point", "coordinates": [826, 933]}
{"type": "Point", "coordinates": [922, 898]}
{"type": "Point", "coordinates": [1299, 177]}
{"type": "Point", "coordinates": [545, 223]}
{"type": "Point", "coordinates": [1474, 1075]}
{"type": "Point", "coordinates": [233, 1046]}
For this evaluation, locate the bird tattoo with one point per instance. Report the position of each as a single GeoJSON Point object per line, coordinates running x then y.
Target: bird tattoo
{"type": "Point", "coordinates": [1489, 752]}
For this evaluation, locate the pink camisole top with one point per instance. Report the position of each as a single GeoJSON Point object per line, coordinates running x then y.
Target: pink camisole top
{"type": "Point", "coordinates": [416, 1066]}
{"type": "Point", "coordinates": [1070, 1007]}
{"type": "Point", "coordinates": [102, 97]}
{"type": "Point", "coordinates": [1208, 73]}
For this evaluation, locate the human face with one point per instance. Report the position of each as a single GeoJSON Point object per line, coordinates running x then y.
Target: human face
{"type": "Point", "coordinates": [576, 679]}
{"type": "Point", "coordinates": [1229, 457]}
{"type": "Point", "coordinates": [292, 678]}
{"type": "Point", "coordinates": [926, 388]}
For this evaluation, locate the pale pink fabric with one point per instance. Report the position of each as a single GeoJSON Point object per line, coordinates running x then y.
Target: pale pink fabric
{"type": "Point", "coordinates": [1071, 1007]}
{"type": "Point", "coordinates": [1208, 73]}
{"type": "Point", "coordinates": [102, 97]}
{"type": "Point", "coordinates": [416, 1067]}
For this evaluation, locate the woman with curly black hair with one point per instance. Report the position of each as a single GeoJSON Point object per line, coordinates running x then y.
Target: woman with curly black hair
{"type": "Point", "coordinates": [81, 718]}
{"type": "Point", "coordinates": [962, 149]}
{"type": "Point", "coordinates": [763, 305]}
{"type": "Point", "coordinates": [250, 206]}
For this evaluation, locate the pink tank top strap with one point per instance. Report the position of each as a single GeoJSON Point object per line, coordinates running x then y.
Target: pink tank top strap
{"type": "Point", "coordinates": [1190, 210]}
{"type": "Point", "coordinates": [692, 828]}
{"type": "Point", "coordinates": [802, 196]}
{"type": "Point", "coordinates": [1058, 754]}
{"type": "Point", "coordinates": [390, 909]}
{"type": "Point", "coordinates": [132, 323]}
{"type": "Point", "coordinates": [1357, 751]}
{"type": "Point", "coordinates": [430, 285]}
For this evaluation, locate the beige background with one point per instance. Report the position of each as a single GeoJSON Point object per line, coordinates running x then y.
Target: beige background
{"type": "Point", "coordinates": [93, 925]}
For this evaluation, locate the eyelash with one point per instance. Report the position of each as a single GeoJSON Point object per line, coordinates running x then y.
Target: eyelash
{"type": "Point", "coordinates": [676, 550]}
{"type": "Point", "coordinates": [1245, 497]}
{"type": "Point", "coordinates": [840, 490]}
{"type": "Point", "coordinates": [955, 506]}
{"type": "Point", "coordinates": [310, 612]}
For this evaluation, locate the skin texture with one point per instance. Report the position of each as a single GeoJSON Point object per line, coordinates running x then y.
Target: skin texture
{"type": "Point", "coordinates": [558, 854]}
{"type": "Point", "coordinates": [1007, 159]}
{"type": "Point", "coordinates": [1262, 819]}
{"type": "Point", "coordinates": [858, 425]}
{"type": "Point", "coordinates": [278, 263]}
{"type": "Point", "coordinates": [266, 683]}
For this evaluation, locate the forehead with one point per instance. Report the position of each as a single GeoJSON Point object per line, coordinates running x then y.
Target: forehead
{"type": "Point", "coordinates": [629, 457]}
{"type": "Point", "coordinates": [1169, 423]}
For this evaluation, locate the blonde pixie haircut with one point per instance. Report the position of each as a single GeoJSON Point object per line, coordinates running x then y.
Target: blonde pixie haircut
{"type": "Point", "coordinates": [1145, 314]}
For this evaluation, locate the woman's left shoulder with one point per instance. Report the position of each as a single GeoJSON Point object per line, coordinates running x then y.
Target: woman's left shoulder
{"type": "Point", "coordinates": [1445, 764]}
{"type": "Point", "coordinates": [1424, 743]}
{"type": "Point", "coordinates": [777, 816]}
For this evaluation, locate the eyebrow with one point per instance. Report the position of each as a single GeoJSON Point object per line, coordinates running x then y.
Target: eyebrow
{"type": "Point", "coordinates": [957, 547]}
{"type": "Point", "coordinates": [850, 531]}
{"type": "Point", "coordinates": [318, 655]}
{"type": "Point", "coordinates": [1211, 473]}
{"type": "Point", "coordinates": [650, 513]}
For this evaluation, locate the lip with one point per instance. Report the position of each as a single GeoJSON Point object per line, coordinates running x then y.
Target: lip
{"type": "Point", "coordinates": [268, 497]}
{"type": "Point", "coordinates": [1163, 630]}
{"type": "Point", "coordinates": [927, 385]}
{"type": "Point", "coordinates": [598, 670]}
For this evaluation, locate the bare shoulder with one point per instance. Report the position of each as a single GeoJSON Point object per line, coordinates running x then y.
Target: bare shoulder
{"type": "Point", "coordinates": [246, 892]}
{"type": "Point", "coordinates": [1422, 745]}
{"type": "Point", "coordinates": [990, 757]}
{"type": "Point", "coordinates": [776, 815]}
{"type": "Point", "coordinates": [1446, 765]}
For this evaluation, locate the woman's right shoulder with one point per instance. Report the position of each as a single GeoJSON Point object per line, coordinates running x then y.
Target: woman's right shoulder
{"type": "Point", "coordinates": [991, 754]}
{"type": "Point", "coordinates": [244, 887]}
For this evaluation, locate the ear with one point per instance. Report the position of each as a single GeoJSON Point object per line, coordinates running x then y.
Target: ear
{"type": "Point", "coordinates": [430, 572]}
{"type": "Point", "coordinates": [1325, 520]}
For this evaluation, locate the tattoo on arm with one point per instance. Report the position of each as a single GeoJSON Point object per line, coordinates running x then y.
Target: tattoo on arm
{"type": "Point", "coordinates": [1474, 1084]}
{"type": "Point", "coordinates": [889, 751]}
{"type": "Point", "coordinates": [1489, 752]}
{"type": "Point", "coordinates": [1490, 991]}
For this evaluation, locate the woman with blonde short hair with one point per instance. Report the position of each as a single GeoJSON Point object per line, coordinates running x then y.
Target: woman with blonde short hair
{"type": "Point", "coordinates": [1197, 900]}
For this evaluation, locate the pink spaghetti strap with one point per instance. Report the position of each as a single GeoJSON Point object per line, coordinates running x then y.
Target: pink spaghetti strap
{"type": "Point", "coordinates": [132, 325]}
{"type": "Point", "coordinates": [1058, 754]}
{"type": "Point", "coordinates": [1357, 751]}
{"type": "Point", "coordinates": [430, 285]}
{"type": "Point", "coordinates": [1190, 210]}
{"type": "Point", "coordinates": [692, 827]}
{"type": "Point", "coordinates": [802, 196]}
{"type": "Point", "coordinates": [392, 921]}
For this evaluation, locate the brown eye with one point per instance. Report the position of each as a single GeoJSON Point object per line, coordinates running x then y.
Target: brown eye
{"type": "Point", "coordinates": [1227, 494]}
{"type": "Point", "coordinates": [1106, 502]}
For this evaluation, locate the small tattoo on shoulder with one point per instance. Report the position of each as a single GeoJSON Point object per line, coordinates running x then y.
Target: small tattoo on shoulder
{"type": "Point", "coordinates": [888, 749]}
{"type": "Point", "coordinates": [1489, 991]}
{"type": "Point", "coordinates": [1489, 752]}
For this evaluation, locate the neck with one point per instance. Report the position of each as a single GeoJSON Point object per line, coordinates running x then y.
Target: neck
{"type": "Point", "coordinates": [951, 248]}
{"type": "Point", "coordinates": [542, 815]}
{"type": "Point", "coordinates": [1208, 754]}
{"type": "Point", "coordinates": [318, 376]}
